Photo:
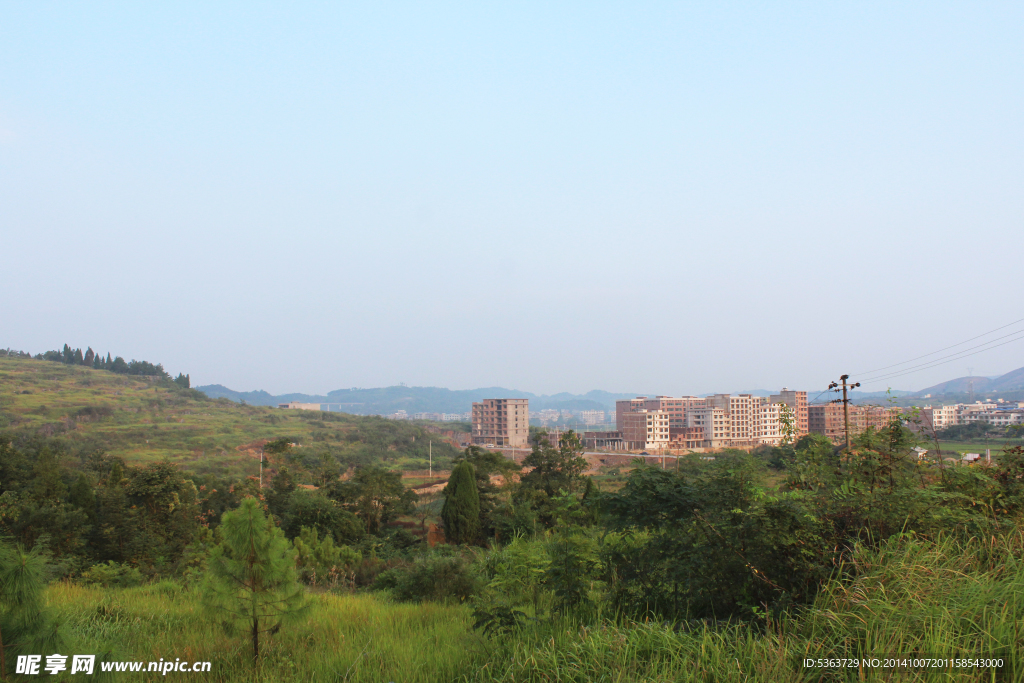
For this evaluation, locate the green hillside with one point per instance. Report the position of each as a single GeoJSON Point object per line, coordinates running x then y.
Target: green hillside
{"type": "Point", "coordinates": [153, 419]}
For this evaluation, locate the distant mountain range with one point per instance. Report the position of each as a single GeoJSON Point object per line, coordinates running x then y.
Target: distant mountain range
{"type": "Point", "coordinates": [387, 400]}
{"type": "Point", "coordinates": [1011, 381]}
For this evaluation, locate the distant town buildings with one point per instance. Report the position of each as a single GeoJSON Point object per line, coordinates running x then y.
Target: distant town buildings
{"type": "Point", "coordinates": [997, 413]}
{"type": "Point", "coordinates": [717, 421]}
{"type": "Point", "coordinates": [295, 405]}
{"type": "Point", "coordinates": [501, 422]}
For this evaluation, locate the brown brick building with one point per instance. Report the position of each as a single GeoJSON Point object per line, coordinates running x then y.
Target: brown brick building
{"type": "Point", "coordinates": [827, 419]}
{"type": "Point", "coordinates": [501, 422]}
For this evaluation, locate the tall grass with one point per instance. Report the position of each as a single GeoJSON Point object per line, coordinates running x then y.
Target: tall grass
{"type": "Point", "coordinates": [909, 597]}
{"type": "Point", "coordinates": [353, 638]}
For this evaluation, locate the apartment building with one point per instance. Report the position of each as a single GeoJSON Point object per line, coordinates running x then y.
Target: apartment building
{"type": "Point", "coordinates": [828, 419]}
{"type": "Point", "coordinates": [740, 411]}
{"type": "Point", "coordinates": [622, 408]}
{"type": "Point", "coordinates": [674, 407]}
{"type": "Point", "coordinates": [501, 422]}
{"type": "Point", "coordinates": [690, 438]}
{"type": "Point", "coordinates": [767, 427]}
{"type": "Point", "coordinates": [997, 418]}
{"type": "Point", "coordinates": [797, 402]}
{"type": "Point", "coordinates": [714, 423]}
{"type": "Point", "coordinates": [645, 430]}
{"type": "Point", "coordinates": [591, 417]}
{"type": "Point", "coordinates": [934, 418]}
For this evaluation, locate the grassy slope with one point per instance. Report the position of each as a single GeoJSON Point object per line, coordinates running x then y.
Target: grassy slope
{"type": "Point", "coordinates": [147, 421]}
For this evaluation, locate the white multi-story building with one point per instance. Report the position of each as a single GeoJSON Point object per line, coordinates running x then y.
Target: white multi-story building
{"type": "Point", "coordinates": [997, 418]}
{"type": "Point", "coordinates": [935, 418]}
{"type": "Point", "coordinates": [767, 427]}
{"type": "Point", "coordinates": [715, 422]}
{"type": "Point", "coordinates": [591, 417]}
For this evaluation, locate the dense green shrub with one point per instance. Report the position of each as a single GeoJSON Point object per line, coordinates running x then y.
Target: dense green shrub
{"type": "Point", "coordinates": [112, 574]}
{"type": "Point", "coordinates": [320, 562]}
{"type": "Point", "coordinates": [434, 577]}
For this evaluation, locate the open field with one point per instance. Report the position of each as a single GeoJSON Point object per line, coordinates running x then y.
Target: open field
{"type": "Point", "coordinates": [950, 448]}
{"type": "Point", "coordinates": [145, 420]}
{"type": "Point", "coordinates": [909, 598]}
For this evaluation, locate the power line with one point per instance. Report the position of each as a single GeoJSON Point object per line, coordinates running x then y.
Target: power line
{"type": "Point", "coordinates": [871, 372]}
{"type": "Point", "coordinates": [939, 361]}
{"type": "Point", "coordinates": [954, 356]}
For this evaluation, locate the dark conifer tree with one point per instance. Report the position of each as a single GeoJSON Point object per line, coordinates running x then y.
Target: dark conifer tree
{"type": "Point", "coordinates": [90, 356]}
{"type": "Point", "coordinates": [461, 511]}
{"type": "Point", "coordinates": [78, 360]}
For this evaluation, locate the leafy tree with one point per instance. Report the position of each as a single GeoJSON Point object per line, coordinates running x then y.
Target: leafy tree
{"type": "Point", "coordinates": [314, 510]}
{"type": "Point", "coordinates": [251, 578]}
{"type": "Point", "coordinates": [183, 381]}
{"type": "Point", "coordinates": [278, 447]}
{"type": "Point", "coordinates": [319, 560]}
{"type": "Point", "coordinates": [281, 489]}
{"type": "Point", "coordinates": [710, 542]}
{"type": "Point", "coordinates": [83, 497]}
{"type": "Point", "coordinates": [979, 429]}
{"type": "Point", "coordinates": [375, 495]}
{"type": "Point", "coordinates": [573, 569]}
{"type": "Point", "coordinates": [461, 510]}
{"type": "Point", "coordinates": [555, 470]}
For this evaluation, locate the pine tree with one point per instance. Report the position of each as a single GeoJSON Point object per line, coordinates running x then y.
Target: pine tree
{"type": "Point", "coordinates": [90, 356]}
{"type": "Point", "coordinates": [77, 359]}
{"type": "Point", "coordinates": [461, 511]}
{"type": "Point", "coordinates": [25, 623]}
{"type": "Point", "coordinates": [82, 496]}
{"type": "Point", "coordinates": [251, 578]}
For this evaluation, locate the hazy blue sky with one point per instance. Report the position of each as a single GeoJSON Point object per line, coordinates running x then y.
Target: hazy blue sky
{"type": "Point", "coordinates": [671, 197]}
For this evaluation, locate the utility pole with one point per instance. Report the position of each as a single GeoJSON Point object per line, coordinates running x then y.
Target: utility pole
{"type": "Point", "coordinates": [430, 452]}
{"type": "Point", "coordinates": [261, 468]}
{"type": "Point", "coordinates": [845, 400]}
